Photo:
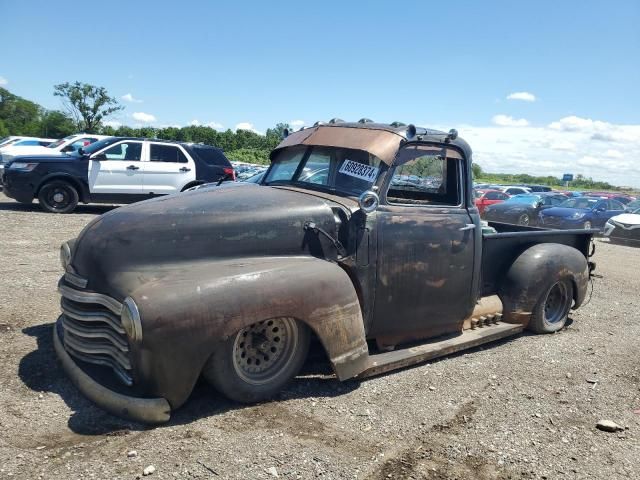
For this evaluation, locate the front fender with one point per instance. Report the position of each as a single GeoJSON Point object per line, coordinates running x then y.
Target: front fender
{"type": "Point", "coordinates": [190, 308]}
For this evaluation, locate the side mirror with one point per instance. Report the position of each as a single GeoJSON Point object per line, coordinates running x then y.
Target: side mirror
{"type": "Point", "coordinates": [369, 201]}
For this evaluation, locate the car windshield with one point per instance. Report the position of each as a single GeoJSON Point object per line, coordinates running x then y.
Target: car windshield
{"type": "Point", "coordinates": [580, 202]}
{"type": "Point", "coordinates": [327, 168]}
{"type": "Point", "coordinates": [529, 199]}
{"type": "Point", "coordinates": [60, 142]}
{"type": "Point", "coordinates": [95, 146]}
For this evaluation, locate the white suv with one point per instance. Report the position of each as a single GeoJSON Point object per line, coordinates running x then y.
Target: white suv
{"type": "Point", "coordinates": [66, 145]}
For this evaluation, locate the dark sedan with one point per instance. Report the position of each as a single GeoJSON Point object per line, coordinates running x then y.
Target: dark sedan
{"type": "Point", "coordinates": [581, 212]}
{"type": "Point", "coordinates": [522, 209]}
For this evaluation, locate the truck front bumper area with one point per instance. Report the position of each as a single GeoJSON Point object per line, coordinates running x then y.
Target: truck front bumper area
{"type": "Point", "coordinates": [18, 186]}
{"type": "Point", "coordinates": [146, 410]}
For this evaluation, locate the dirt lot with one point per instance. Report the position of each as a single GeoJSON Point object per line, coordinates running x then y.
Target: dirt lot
{"type": "Point", "coordinates": [525, 408]}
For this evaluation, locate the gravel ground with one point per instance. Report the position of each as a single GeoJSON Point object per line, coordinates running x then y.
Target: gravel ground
{"type": "Point", "coordinates": [522, 408]}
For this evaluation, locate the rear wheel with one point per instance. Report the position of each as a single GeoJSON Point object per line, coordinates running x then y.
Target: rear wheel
{"type": "Point", "coordinates": [58, 196]}
{"type": "Point", "coordinates": [259, 360]}
{"type": "Point", "coordinates": [552, 309]}
{"type": "Point", "coordinates": [524, 219]}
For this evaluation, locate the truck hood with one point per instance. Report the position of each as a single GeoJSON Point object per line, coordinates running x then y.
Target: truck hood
{"type": "Point", "coordinates": [193, 227]}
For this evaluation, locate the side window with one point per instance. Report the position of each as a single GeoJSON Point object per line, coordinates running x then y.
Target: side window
{"type": "Point", "coordinates": [129, 151]}
{"type": "Point", "coordinates": [503, 196]}
{"type": "Point", "coordinates": [492, 196]}
{"type": "Point", "coordinates": [425, 175]}
{"type": "Point", "coordinates": [166, 153]}
{"type": "Point", "coordinates": [616, 205]}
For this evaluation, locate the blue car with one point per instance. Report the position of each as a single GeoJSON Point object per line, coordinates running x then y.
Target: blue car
{"type": "Point", "coordinates": [580, 212]}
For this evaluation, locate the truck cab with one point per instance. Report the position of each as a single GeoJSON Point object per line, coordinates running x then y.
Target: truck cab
{"type": "Point", "coordinates": [364, 236]}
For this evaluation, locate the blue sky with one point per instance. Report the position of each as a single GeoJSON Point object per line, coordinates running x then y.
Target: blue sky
{"type": "Point", "coordinates": [441, 64]}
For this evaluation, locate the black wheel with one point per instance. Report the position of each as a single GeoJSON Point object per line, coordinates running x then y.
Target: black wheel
{"type": "Point", "coordinates": [524, 219]}
{"type": "Point", "coordinates": [58, 196]}
{"type": "Point", "coordinates": [258, 361]}
{"type": "Point", "coordinates": [552, 309]}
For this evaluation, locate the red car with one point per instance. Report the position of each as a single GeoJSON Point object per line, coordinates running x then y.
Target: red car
{"type": "Point", "coordinates": [486, 197]}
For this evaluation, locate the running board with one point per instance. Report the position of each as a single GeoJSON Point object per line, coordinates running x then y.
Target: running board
{"type": "Point", "coordinates": [387, 361]}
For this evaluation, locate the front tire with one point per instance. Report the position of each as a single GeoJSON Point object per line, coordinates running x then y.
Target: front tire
{"type": "Point", "coordinates": [259, 360]}
{"type": "Point", "coordinates": [58, 196]}
{"type": "Point", "coordinates": [524, 220]}
{"type": "Point", "coordinates": [552, 309]}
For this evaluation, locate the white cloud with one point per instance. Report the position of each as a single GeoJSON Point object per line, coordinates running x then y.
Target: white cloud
{"type": "Point", "coordinates": [143, 117]}
{"type": "Point", "coordinates": [127, 97]}
{"type": "Point", "coordinates": [509, 121]}
{"type": "Point", "coordinates": [597, 149]}
{"type": "Point", "coordinates": [3, 81]}
{"type": "Point", "coordinates": [247, 126]}
{"type": "Point", "coordinates": [112, 124]}
{"type": "Point", "coordinates": [214, 125]}
{"type": "Point", "coordinates": [297, 124]}
{"type": "Point", "coordinates": [524, 96]}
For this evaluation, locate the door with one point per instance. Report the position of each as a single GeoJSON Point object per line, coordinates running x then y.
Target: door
{"type": "Point", "coordinates": [605, 210]}
{"type": "Point", "coordinates": [117, 169]}
{"type": "Point", "coordinates": [426, 242]}
{"type": "Point", "coordinates": [168, 169]}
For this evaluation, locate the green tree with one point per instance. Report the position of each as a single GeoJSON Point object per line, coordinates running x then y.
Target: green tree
{"type": "Point", "coordinates": [87, 104]}
{"type": "Point", "coordinates": [476, 169]}
{"type": "Point", "coordinates": [20, 116]}
{"type": "Point", "coordinates": [56, 124]}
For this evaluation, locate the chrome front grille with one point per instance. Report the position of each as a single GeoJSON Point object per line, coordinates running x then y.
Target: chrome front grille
{"type": "Point", "coordinates": [93, 332]}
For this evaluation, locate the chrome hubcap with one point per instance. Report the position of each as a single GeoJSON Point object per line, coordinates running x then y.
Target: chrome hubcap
{"type": "Point", "coordinates": [262, 350]}
{"type": "Point", "coordinates": [58, 197]}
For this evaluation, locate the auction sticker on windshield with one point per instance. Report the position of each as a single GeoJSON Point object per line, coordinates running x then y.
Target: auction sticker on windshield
{"type": "Point", "coordinates": [359, 170]}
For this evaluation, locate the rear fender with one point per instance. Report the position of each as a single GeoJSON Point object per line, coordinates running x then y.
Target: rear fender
{"type": "Point", "coordinates": [189, 309]}
{"type": "Point", "coordinates": [534, 271]}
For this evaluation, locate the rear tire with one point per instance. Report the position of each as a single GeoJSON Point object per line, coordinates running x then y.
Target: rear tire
{"type": "Point", "coordinates": [259, 360]}
{"type": "Point", "coordinates": [58, 196]}
{"type": "Point", "coordinates": [552, 309]}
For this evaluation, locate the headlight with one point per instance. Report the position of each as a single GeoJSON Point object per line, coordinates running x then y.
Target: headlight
{"type": "Point", "coordinates": [22, 166]}
{"type": "Point", "coordinates": [578, 215]}
{"type": "Point", "coordinates": [131, 320]}
{"type": "Point", "coordinates": [65, 255]}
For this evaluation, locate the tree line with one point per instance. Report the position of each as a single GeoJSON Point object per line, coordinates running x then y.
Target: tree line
{"type": "Point", "coordinates": [87, 106]}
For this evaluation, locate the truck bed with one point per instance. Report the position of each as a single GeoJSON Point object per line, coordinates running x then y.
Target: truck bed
{"type": "Point", "coordinates": [499, 250]}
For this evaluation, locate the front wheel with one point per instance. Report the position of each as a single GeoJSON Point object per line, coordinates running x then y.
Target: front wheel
{"type": "Point", "coordinates": [552, 309]}
{"type": "Point", "coordinates": [524, 220]}
{"type": "Point", "coordinates": [259, 360]}
{"type": "Point", "coordinates": [58, 196]}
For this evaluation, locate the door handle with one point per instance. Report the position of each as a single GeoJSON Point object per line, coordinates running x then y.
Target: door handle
{"type": "Point", "coordinates": [469, 226]}
{"type": "Point", "coordinates": [185, 169]}
{"type": "Point", "coordinates": [133, 167]}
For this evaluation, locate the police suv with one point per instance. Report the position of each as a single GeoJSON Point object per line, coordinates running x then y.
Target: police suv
{"type": "Point", "coordinates": [113, 170]}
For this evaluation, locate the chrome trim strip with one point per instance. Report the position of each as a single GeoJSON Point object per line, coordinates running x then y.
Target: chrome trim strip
{"type": "Point", "coordinates": [90, 297]}
{"type": "Point", "coordinates": [76, 314]}
{"type": "Point", "coordinates": [75, 327]}
{"type": "Point", "coordinates": [96, 349]}
{"type": "Point", "coordinates": [76, 280]}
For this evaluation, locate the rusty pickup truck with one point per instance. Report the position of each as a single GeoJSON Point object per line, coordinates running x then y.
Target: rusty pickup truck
{"type": "Point", "coordinates": [361, 236]}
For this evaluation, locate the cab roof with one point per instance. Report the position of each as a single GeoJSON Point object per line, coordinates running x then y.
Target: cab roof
{"type": "Point", "coordinates": [380, 139]}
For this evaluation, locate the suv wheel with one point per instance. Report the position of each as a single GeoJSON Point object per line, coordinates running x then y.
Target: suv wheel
{"type": "Point", "coordinates": [58, 196]}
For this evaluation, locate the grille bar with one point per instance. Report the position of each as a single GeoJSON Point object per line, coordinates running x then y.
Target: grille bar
{"type": "Point", "coordinates": [93, 332]}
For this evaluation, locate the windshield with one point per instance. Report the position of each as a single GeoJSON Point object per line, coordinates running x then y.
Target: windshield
{"type": "Point", "coordinates": [95, 146]}
{"type": "Point", "coordinates": [580, 202]}
{"type": "Point", "coordinates": [329, 168]}
{"type": "Point", "coordinates": [530, 199]}
{"type": "Point", "coordinates": [60, 142]}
